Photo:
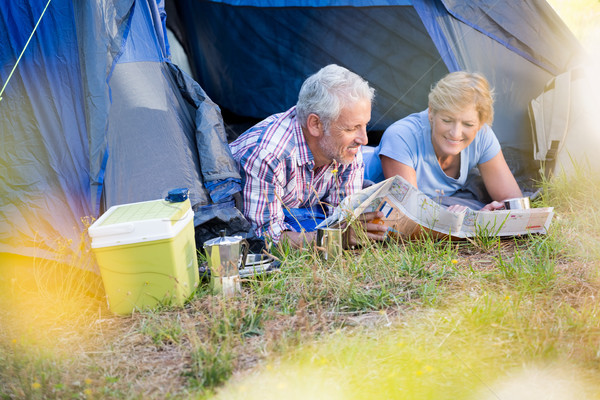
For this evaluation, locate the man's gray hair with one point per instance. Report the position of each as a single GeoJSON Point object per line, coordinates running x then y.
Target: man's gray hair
{"type": "Point", "coordinates": [328, 91]}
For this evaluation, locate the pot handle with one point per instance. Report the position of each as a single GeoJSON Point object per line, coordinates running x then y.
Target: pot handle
{"type": "Point", "coordinates": [245, 248]}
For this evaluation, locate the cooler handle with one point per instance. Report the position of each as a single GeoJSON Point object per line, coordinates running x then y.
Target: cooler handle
{"type": "Point", "coordinates": [115, 229]}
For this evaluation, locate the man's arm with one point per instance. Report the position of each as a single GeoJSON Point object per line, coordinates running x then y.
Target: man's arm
{"type": "Point", "coordinates": [299, 240]}
{"type": "Point", "coordinates": [262, 196]}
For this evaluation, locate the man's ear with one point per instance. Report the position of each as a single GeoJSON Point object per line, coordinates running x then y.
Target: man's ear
{"type": "Point", "coordinates": [314, 125]}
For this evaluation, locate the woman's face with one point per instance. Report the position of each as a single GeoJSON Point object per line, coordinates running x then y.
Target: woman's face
{"type": "Point", "coordinates": [451, 132]}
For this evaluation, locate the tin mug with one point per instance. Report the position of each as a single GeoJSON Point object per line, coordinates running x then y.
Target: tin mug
{"type": "Point", "coordinates": [517, 203]}
{"type": "Point", "coordinates": [330, 241]}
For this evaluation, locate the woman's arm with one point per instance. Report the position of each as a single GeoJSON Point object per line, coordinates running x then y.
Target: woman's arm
{"type": "Point", "coordinates": [392, 167]}
{"type": "Point", "coordinates": [499, 181]}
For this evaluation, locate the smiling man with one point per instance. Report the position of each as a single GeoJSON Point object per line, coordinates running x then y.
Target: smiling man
{"type": "Point", "coordinates": [297, 165]}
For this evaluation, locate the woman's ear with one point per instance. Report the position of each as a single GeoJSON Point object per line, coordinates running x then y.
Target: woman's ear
{"type": "Point", "coordinates": [314, 125]}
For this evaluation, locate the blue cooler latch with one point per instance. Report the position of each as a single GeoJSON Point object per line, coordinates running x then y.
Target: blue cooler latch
{"type": "Point", "coordinates": [177, 195]}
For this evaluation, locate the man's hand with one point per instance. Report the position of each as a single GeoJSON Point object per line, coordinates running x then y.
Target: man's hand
{"type": "Point", "coordinates": [371, 228]}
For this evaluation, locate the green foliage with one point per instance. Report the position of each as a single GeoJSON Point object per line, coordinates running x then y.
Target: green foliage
{"type": "Point", "coordinates": [162, 331]}
{"type": "Point", "coordinates": [211, 366]}
{"type": "Point", "coordinates": [576, 199]}
{"type": "Point", "coordinates": [531, 267]}
{"type": "Point", "coordinates": [486, 235]}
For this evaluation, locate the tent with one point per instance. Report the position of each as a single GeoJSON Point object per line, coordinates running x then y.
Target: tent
{"type": "Point", "coordinates": [95, 114]}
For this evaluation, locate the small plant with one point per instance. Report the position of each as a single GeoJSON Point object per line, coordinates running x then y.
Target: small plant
{"type": "Point", "coordinates": [486, 235]}
{"type": "Point", "coordinates": [531, 269]}
{"type": "Point", "coordinates": [162, 331]}
{"type": "Point", "coordinates": [211, 365]}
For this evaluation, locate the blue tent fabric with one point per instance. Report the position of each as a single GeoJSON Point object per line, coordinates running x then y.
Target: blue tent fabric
{"type": "Point", "coordinates": [254, 65]}
{"type": "Point", "coordinates": [513, 26]}
{"type": "Point", "coordinates": [314, 3]}
{"type": "Point", "coordinates": [101, 31]}
{"type": "Point", "coordinates": [431, 14]}
{"type": "Point", "coordinates": [44, 161]}
{"type": "Point", "coordinates": [95, 106]}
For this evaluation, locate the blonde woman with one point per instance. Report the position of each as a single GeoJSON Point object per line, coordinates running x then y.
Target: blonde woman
{"type": "Point", "coordinates": [437, 148]}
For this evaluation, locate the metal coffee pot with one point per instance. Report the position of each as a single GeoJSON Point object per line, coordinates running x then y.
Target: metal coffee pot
{"type": "Point", "coordinates": [226, 255]}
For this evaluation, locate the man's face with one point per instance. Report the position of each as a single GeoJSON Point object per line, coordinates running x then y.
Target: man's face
{"type": "Point", "coordinates": [345, 135]}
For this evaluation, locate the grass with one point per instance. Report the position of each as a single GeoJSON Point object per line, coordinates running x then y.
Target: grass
{"type": "Point", "coordinates": [424, 319]}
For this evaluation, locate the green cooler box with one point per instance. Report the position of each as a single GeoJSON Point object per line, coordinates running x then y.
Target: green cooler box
{"type": "Point", "coordinates": [147, 254]}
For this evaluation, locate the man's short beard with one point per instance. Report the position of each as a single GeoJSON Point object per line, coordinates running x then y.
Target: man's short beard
{"type": "Point", "coordinates": [330, 151]}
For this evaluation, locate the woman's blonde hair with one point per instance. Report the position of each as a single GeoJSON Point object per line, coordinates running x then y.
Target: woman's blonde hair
{"type": "Point", "coordinates": [458, 90]}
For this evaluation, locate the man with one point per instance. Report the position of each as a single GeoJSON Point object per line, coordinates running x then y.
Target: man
{"type": "Point", "coordinates": [297, 165]}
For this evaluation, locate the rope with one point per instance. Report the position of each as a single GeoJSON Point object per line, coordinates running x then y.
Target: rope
{"type": "Point", "coordinates": [25, 48]}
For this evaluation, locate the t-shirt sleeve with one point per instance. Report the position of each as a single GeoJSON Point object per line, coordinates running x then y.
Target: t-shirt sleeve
{"type": "Point", "coordinates": [488, 144]}
{"type": "Point", "coordinates": [398, 143]}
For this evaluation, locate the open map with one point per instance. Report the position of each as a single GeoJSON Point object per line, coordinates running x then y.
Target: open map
{"type": "Point", "coordinates": [407, 211]}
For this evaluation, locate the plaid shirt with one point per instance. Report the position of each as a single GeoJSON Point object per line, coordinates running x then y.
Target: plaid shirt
{"type": "Point", "coordinates": [277, 169]}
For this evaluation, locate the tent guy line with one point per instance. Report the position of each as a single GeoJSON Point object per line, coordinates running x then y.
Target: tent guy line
{"type": "Point", "coordinates": [403, 95]}
{"type": "Point", "coordinates": [24, 48]}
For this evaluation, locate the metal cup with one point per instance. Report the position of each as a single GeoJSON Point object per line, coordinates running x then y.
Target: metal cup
{"type": "Point", "coordinates": [518, 203]}
{"type": "Point", "coordinates": [330, 241]}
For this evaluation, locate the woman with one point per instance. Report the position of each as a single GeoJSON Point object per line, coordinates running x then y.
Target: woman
{"type": "Point", "coordinates": [435, 149]}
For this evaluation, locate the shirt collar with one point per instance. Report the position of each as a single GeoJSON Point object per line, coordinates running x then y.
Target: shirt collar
{"type": "Point", "coordinates": [305, 156]}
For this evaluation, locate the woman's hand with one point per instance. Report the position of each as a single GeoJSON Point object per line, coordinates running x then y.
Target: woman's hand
{"type": "Point", "coordinates": [457, 208]}
{"type": "Point", "coordinates": [493, 206]}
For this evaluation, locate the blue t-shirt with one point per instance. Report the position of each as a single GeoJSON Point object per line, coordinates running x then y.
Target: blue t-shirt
{"type": "Point", "coordinates": [409, 142]}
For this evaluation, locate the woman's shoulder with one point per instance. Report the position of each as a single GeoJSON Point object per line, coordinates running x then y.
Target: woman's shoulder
{"type": "Point", "coordinates": [486, 136]}
{"type": "Point", "coordinates": [408, 128]}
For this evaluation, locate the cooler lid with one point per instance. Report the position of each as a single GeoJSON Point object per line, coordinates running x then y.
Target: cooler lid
{"type": "Point", "coordinates": [158, 209]}
{"type": "Point", "coordinates": [140, 222]}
